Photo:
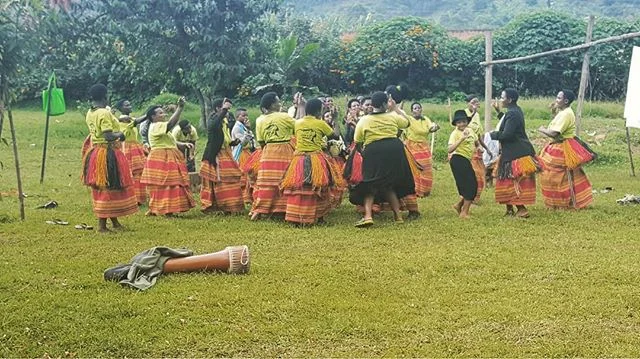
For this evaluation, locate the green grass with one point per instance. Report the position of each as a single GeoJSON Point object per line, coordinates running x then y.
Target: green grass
{"type": "Point", "coordinates": [559, 284]}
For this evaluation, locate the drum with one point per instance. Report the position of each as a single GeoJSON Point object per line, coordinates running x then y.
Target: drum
{"type": "Point", "coordinates": [232, 260]}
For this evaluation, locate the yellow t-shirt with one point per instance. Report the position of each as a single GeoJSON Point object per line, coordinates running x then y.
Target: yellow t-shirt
{"type": "Point", "coordinates": [418, 129]}
{"type": "Point", "coordinates": [310, 133]}
{"type": "Point", "coordinates": [130, 132]}
{"type": "Point", "coordinates": [379, 126]}
{"type": "Point", "coordinates": [467, 147]}
{"type": "Point", "coordinates": [275, 127]}
{"type": "Point", "coordinates": [159, 137]}
{"type": "Point", "coordinates": [565, 123]}
{"type": "Point", "coordinates": [99, 121]}
{"type": "Point", "coordinates": [475, 123]}
{"type": "Point", "coordinates": [181, 137]}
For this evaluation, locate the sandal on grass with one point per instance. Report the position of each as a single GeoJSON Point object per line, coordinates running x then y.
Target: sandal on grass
{"type": "Point", "coordinates": [83, 226]}
{"type": "Point", "coordinates": [57, 221]}
{"type": "Point", "coordinates": [48, 205]}
{"type": "Point", "coordinates": [363, 223]}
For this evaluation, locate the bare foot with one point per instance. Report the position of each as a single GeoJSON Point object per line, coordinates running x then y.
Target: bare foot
{"type": "Point", "coordinates": [464, 216]}
{"type": "Point", "coordinates": [104, 230]}
{"type": "Point", "coordinates": [457, 208]}
{"type": "Point", "coordinates": [522, 214]}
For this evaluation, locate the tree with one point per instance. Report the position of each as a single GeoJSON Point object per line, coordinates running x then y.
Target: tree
{"type": "Point", "coordinates": [289, 59]}
{"type": "Point", "coordinates": [402, 49]}
{"type": "Point", "coordinates": [537, 32]}
{"type": "Point", "coordinates": [19, 29]}
{"type": "Point", "coordinates": [203, 47]}
{"type": "Point", "coordinates": [206, 44]}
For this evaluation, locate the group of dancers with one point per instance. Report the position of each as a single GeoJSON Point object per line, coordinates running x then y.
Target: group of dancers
{"type": "Point", "coordinates": [299, 164]}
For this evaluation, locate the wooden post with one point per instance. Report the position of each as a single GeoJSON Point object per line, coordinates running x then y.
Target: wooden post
{"type": "Point", "coordinates": [633, 170]}
{"type": "Point", "coordinates": [584, 76]}
{"type": "Point", "coordinates": [3, 91]}
{"type": "Point", "coordinates": [1, 118]}
{"type": "Point", "coordinates": [628, 36]}
{"type": "Point", "coordinates": [488, 79]}
{"type": "Point", "coordinates": [46, 134]}
{"type": "Point", "coordinates": [17, 161]}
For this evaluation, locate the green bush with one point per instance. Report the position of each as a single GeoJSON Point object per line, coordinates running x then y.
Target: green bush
{"type": "Point", "coordinates": [403, 49]}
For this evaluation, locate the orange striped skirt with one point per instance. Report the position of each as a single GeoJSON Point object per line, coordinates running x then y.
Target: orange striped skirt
{"type": "Point", "coordinates": [245, 181]}
{"type": "Point", "coordinates": [306, 206]}
{"type": "Point", "coordinates": [336, 193]}
{"type": "Point", "coordinates": [561, 186]}
{"type": "Point", "coordinates": [274, 161]}
{"type": "Point", "coordinates": [521, 191]}
{"type": "Point", "coordinates": [134, 152]}
{"type": "Point", "coordinates": [166, 177]}
{"type": "Point", "coordinates": [422, 155]}
{"type": "Point", "coordinates": [113, 203]}
{"type": "Point", "coordinates": [311, 180]}
{"type": "Point", "coordinates": [480, 170]}
{"type": "Point", "coordinates": [100, 174]}
{"type": "Point", "coordinates": [221, 187]}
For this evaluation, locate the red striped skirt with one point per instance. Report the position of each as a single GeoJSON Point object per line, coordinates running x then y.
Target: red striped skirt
{"type": "Point", "coordinates": [561, 186]}
{"type": "Point", "coordinates": [480, 170]}
{"type": "Point", "coordinates": [134, 152]}
{"type": "Point", "coordinates": [422, 155]}
{"type": "Point", "coordinates": [274, 160]}
{"type": "Point", "coordinates": [221, 187]}
{"type": "Point", "coordinates": [109, 202]}
{"type": "Point", "coordinates": [245, 182]}
{"type": "Point", "coordinates": [306, 206]}
{"type": "Point", "coordinates": [336, 193]}
{"type": "Point", "coordinates": [520, 191]}
{"type": "Point", "coordinates": [113, 203]}
{"type": "Point", "coordinates": [311, 180]}
{"type": "Point", "coordinates": [166, 177]}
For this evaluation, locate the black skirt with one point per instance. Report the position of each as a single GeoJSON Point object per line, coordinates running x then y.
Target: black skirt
{"type": "Point", "coordinates": [465, 177]}
{"type": "Point", "coordinates": [384, 168]}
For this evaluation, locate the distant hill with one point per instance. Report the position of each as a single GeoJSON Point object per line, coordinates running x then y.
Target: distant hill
{"type": "Point", "coordinates": [464, 14]}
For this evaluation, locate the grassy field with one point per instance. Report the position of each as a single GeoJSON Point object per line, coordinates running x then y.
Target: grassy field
{"type": "Point", "coordinates": [558, 284]}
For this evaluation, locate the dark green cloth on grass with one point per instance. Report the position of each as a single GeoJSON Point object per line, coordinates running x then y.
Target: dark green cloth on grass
{"type": "Point", "coordinates": [145, 267]}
